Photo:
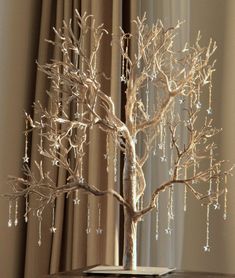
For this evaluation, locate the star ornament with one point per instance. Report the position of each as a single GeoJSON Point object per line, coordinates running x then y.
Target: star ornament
{"type": "Point", "coordinates": [168, 231]}
{"type": "Point", "coordinates": [206, 248]}
{"type": "Point", "coordinates": [76, 201]}
{"type": "Point", "coordinates": [25, 159]}
{"type": "Point", "coordinates": [99, 231]}
{"type": "Point", "coordinates": [216, 206]}
{"type": "Point", "coordinates": [53, 230]}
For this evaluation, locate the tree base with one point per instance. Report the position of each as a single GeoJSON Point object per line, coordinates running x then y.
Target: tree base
{"type": "Point", "coordinates": [119, 270]}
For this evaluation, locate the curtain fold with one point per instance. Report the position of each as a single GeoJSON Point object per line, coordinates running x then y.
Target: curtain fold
{"type": "Point", "coordinates": [29, 23]}
{"type": "Point", "coordinates": [71, 247]}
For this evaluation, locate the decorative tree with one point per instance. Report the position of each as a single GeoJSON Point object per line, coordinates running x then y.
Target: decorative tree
{"type": "Point", "coordinates": [156, 69]}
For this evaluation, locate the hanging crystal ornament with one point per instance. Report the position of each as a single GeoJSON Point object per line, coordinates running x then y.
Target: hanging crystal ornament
{"type": "Point", "coordinates": [53, 228]}
{"type": "Point", "coordinates": [123, 78]}
{"type": "Point", "coordinates": [185, 190]}
{"type": "Point", "coordinates": [225, 197]}
{"type": "Point", "coordinates": [172, 164]}
{"type": "Point", "coordinates": [26, 209]}
{"type": "Point", "coordinates": [209, 110]}
{"type": "Point", "coordinates": [76, 200]}
{"type": "Point", "coordinates": [26, 158]}
{"type": "Point", "coordinates": [157, 219]}
{"type": "Point", "coordinates": [41, 136]}
{"type": "Point", "coordinates": [10, 214]}
{"type": "Point", "coordinates": [115, 159]}
{"type": "Point", "coordinates": [217, 204]}
{"type": "Point", "coordinates": [198, 102]}
{"type": "Point", "coordinates": [16, 213]}
{"type": "Point", "coordinates": [163, 142]}
{"type": "Point", "coordinates": [106, 156]}
{"type": "Point", "coordinates": [88, 228]}
{"type": "Point", "coordinates": [211, 165]}
{"type": "Point", "coordinates": [99, 230]}
{"type": "Point", "coordinates": [126, 60]}
{"type": "Point", "coordinates": [140, 206]}
{"type": "Point", "coordinates": [206, 247]}
{"type": "Point", "coordinates": [39, 216]}
{"type": "Point", "coordinates": [170, 216]}
{"type": "Point", "coordinates": [147, 99]}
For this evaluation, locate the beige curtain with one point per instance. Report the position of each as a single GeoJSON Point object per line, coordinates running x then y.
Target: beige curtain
{"type": "Point", "coordinates": [24, 26]}
{"type": "Point", "coordinates": [70, 247]}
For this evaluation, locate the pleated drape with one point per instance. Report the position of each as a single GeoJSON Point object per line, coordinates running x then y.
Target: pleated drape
{"type": "Point", "coordinates": [71, 247]}
{"type": "Point", "coordinates": [24, 26]}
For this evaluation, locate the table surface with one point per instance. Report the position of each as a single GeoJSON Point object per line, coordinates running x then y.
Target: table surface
{"type": "Point", "coordinates": [179, 274]}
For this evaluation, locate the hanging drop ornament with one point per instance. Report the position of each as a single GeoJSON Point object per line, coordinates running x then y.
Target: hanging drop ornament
{"type": "Point", "coordinates": [88, 228]}
{"type": "Point", "coordinates": [206, 247]}
{"type": "Point", "coordinates": [147, 100]}
{"type": "Point", "coordinates": [26, 209]}
{"type": "Point", "coordinates": [41, 136]}
{"type": "Point", "coordinates": [211, 172]}
{"type": "Point", "coordinates": [106, 156]}
{"type": "Point", "coordinates": [10, 214]}
{"type": "Point", "coordinates": [170, 217]}
{"type": "Point", "coordinates": [163, 142]}
{"type": "Point", "coordinates": [76, 200]}
{"type": "Point", "coordinates": [225, 197]}
{"type": "Point", "coordinates": [16, 213]}
{"type": "Point", "coordinates": [209, 110]}
{"type": "Point", "coordinates": [217, 204]}
{"type": "Point", "coordinates": [157, 219]}
{"type": "Point", "coordinates": [123, 78]}
{"type": "Point", "coordinates": [99, 230]}
{"type": "Point", "coordinates": [26, 158]}
{"type": "Point", "coordinates": [185, 190]}
{"type": "Point", "coordinates": [39, 216]}
{"type": "Point", "coordinates": [198, 102]}
{"type": "Point", "coordinates": [115, 160]}
{"type": "Point", "coordinates": [53, 228]}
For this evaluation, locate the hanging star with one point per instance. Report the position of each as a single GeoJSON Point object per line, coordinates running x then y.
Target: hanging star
{"type": "Point", "coordinates": [99, 231]}
{"type": "Point", "coordinates": [76, 201]}
{"type": "Point", "coordinates": [53, 230]}
{"type": "Point", "coordinates": [25, 159]}
{"type": "Point", "coordinates": [216, 206]}
{"type": "Point", "coordinates": [206, 248]}
{"type": "Point", "coordinates": [209, 111]}
{"type": "Point", "coordinates": [88, 230]}
{"type": "Point", "coordinates": [163, 158]}
{"type": "Point", "coordinates": [168, 231]}
{"type": "Point", "coordinates": [198, 105]}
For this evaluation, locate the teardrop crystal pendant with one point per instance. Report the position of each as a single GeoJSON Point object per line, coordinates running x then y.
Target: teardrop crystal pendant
{"type": "Point", "coordinates": [157, 219]}
{"type": "Point", "coordinates": [26, 209]}
{"type": "Point", "coordinates": [39, 216]}
{"type": "Point", "coordinates": [206, 247]}
{"type": "Point", "coordinates": [16, 213]}
{"type": "Point", "coordinates": [10, 214]}
{"type": "Point", "coordinates": [99, 230]}
{"type": "Point", "coordinates": [53, 228]}
{"type": "Point", "coordinates": [88, 228]}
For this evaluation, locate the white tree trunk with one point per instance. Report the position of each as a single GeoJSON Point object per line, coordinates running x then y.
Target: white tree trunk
{"type": "Point", "coordinates": [130, 250]}
{"type": "Point", "coordinates": [130, 225]}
